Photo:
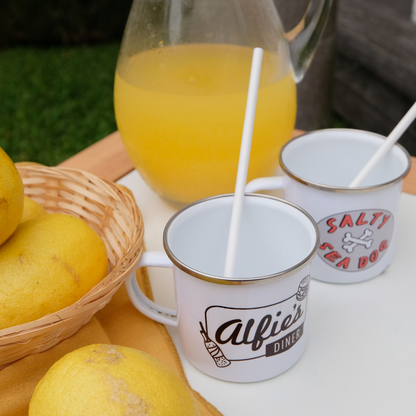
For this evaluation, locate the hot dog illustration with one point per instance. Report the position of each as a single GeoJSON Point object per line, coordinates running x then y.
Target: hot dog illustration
{"type": "Point", "coordinates": [214, 350]}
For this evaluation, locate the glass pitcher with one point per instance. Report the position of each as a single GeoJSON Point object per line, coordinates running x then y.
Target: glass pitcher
{"type": "Point", "coordinates": [181, 87]}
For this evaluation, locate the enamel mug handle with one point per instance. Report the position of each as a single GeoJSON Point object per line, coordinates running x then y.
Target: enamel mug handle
{"type": "Point", "coordinates": [151, 309]}
{"type": "Point", "coordinates": [264, 184]}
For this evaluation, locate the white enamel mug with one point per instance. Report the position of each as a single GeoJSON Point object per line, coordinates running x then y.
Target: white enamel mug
{"type": "Point", "coordinates": [250, 327]}
{"type": "Point", "coordinates": [357, 226]}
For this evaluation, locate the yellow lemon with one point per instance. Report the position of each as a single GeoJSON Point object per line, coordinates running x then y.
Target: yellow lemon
{"type": "Point", "coordinates": [111, 380]}
{"type": "Point", "coordinates": [11, 197]}
{"type": "Point", "coordinates": [48, 264]}
{"type": "Point", "coordinates": [31, 209]}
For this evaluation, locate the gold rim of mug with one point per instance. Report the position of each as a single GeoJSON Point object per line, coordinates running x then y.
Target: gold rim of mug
{"type": "Point", "coordinates": [242, 280]}
{"type": "Point", "coordinates": [344, 189]}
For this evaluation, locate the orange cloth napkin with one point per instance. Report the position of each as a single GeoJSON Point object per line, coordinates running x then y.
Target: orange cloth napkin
{"type": "Point", "coordinates": [119, 323]}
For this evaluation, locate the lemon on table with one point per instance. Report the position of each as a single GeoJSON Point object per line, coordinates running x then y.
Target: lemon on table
{"type": "Point", "coordinates": [108, 380]}
{"type": "Point", "coordinates": [11, 197]}
{"type": "Point", "coordinates": [48, 263]}
{"type": "Point", "coordinates": [31, 209]}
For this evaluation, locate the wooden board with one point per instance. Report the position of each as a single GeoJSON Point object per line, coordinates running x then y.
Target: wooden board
{"type": "Point", "coordinates": [376, 66]}
{"type": "Point", "coordinates": [380, 38]}
{"type": "Point", "coordinates": [106, 158]}
{"type": "Point", "coordinates": [369, 103]}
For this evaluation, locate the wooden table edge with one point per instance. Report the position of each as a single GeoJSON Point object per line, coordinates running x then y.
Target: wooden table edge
{"type": "Point", "coordinates": [108, 159]}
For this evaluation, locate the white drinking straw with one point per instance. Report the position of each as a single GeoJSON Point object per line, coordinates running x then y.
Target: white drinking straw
{"type": "Point", "coordinates": [243, 162]}
{"type": "Point", "coordinates": [386, 146]}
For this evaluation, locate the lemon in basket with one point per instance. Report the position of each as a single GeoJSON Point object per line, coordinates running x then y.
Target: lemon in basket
{"type": "Point", "coordinates": [31, 209]}
{"type": "Point", "coordinates": [108, 380]}
{"type": "Point", "coordinates": [11, 197]}
{"type": "Point", "coordinates": [48, 263]}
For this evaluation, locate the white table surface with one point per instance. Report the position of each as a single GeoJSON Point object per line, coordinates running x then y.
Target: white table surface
{"type": "Point", "coordinates": [361, 352]}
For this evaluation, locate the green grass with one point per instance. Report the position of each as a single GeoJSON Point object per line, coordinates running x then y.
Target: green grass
{"type": "Point", "coordinates": [55, 102]}
{"type": "Point", "coordinates": [338, 122]}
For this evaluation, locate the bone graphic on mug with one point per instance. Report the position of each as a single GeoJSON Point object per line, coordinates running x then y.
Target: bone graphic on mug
{"type": "Point", "coordinates": [214, 350]}
{"type": "Point", "coordinates": [357, 241]}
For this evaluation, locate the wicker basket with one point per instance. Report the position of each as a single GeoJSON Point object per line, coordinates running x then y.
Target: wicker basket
{"type": "Point", "coordinates": [113, 214]}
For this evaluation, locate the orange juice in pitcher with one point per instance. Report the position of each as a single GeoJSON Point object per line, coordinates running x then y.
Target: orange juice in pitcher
{"type": "Point", "coordinates": [181, 88]}
{"type": "Point", "coordinates": [181, 119]}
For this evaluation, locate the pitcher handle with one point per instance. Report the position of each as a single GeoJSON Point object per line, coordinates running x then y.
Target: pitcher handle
{"type": "Point", "coordinates": [304, 38]}
{"type": "Point", "coordinates": [147, 307]}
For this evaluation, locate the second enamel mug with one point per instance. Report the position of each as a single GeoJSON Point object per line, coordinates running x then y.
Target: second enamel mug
{"type": "Point", "coordinates": [357, 226]}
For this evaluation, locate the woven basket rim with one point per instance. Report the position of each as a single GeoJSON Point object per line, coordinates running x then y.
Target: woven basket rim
{"type": "Point", "coordinates": [117, 274]}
